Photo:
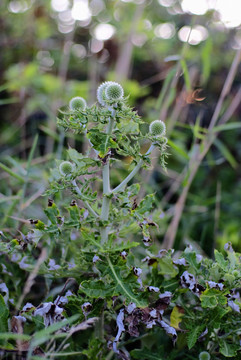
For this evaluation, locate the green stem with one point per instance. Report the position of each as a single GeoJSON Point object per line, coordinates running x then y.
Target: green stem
{"type": "Point", "coordinates": [99, 327]}
{"type": "Point", "coordinates": [83, 199]}
{"type": "Point", "coordinates": [133, 173]}
{"type": "Point", "coordinates": [106, 187]}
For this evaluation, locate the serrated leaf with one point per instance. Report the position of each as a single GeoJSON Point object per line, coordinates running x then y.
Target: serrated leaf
{"type": "Point", "coordinates": [52, 212]}
{"type": "Point", "coordinates": [210, 298]}
{"type": "Point", "coordinates": [97, 289]}
{"type": "Point", "coordinates": [167, 267]}
{"type": "Point", "coordinates": [220, 260]}
{"type": "Point", "coordinates": [145, 205]}
{"type": "Point", "coordinates": [216, 317]}
{"type": "Point", "coordinates": [193, 335]}
{"type": "Point", "coordinates": [82, 161]}
{"type": "Point", "coordinates": [191, 258]}
{"type": "Point", "coordinates": [101, 142]}
{"type": "Point", "coordinates": [120, 247]}
{"type": "Point", "coordinates": [124, 286]}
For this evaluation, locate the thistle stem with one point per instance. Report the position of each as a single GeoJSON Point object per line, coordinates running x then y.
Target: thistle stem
{"type": "Point", "coordinates": [106, 186]}
{"type": "Point", "coordinates": [86, 203]}
{"type": "Point", "coordinates": [133, 173]}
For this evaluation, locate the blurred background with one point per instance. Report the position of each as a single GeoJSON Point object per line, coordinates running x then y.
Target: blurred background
{"type": "Point", "coordinates": [172, 57]}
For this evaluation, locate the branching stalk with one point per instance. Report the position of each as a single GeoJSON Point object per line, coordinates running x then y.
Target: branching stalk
{"type": "Point", "coordinates": [86, 203]}
{"type": "Point", "coordinates": [133, 173]}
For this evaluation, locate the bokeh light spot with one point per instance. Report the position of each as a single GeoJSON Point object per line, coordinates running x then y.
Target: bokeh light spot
{"type": "Point", "coordinates": [165, 31]}
{"type": "Point", "coordinates": [194, 36]}
{"type": "Point", "coordinates": [80, 10]}
{"type": "Point", "coordinates": [60, 5]}
{"type": "Point", "coordinates": [104, 31]}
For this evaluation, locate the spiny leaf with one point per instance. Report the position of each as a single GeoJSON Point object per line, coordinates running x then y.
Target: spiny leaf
{"type": "Point", "coordinates": [212, 297]}
{"type": "Point", "coordinates": [123, 287]}
{"type": "Point", "coordinates": [193, 335]}
{"type": "Point", "coordinates": [167, 267]}
{"type": "Point", "coordinates": [220, 260]}
{"type": "Point", "coordinates": [97, 289]}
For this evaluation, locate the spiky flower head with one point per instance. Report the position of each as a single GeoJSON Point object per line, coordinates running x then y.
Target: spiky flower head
{"type": "Point", "coordinates": [204, 355]}
{"type": "Point", "coordinates": [66, 168]}
{"type": "Point", "coordinates": [157, 128]}
{"type": "Point", "coordinates": [77, 103]}
{"type": "Point", "coordinates": [101, 97]}
{"type": "Point", "coordinates": [109, 90]}
{"type": "Point", "coordinates": [114, 91]}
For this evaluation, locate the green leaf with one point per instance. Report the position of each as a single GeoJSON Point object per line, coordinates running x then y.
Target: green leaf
{"type": "Point", "coordinates": [210, 298]}
{"type": "Point", "coordinates": [145, 354]}
{"type": "Point", "coordinates": [193, 335]}
{"type": "Point", "coordinates": [167, 267]}
{"type": "Point", "coordinates": [226, 153]}
{"type": "Point", "coordinates": [44, 335]}
{"type": "Point", "coordinates": [229, 126]}
{"type": "Point", "coordinates": [12, 173]}
{"type": "Point", "coordinates": [226, 349]}
{"type": "Point", "coordinates": [220, 260]}
{"type": "Point", "coordinates": [177, 148]}
{"type": "Point", "coordinates": [165, 86]}
{"type": "Point", "coordinates": [191, 258]}
{"type": "Point", "coordinates": [216, 316]}
{"type": "Point", "coordinates": [101, 142]}
{"type": "Point", "coordinates": [120, 247]}
{"type": "Point", "coordinates": [186, 74]}
{"type": "Point", "coordinates": [145, 205]}
{"type": "Point", "coordinates": [97, 289]}
{"type": "Point", "coordinates": [123, 286]}
{"type": "Point", "coordinates": [52, 212]}
{"type": "Point", "coordinates": [12, 336]}
{"type": "Point", "coordinates": [82, 161]}
{"type": "Point", "coordinates": [4, 312]}
{"type": "Point", "coordinates": [206, 59]}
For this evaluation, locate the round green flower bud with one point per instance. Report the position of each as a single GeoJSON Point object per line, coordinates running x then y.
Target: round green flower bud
{"type": "Point", "coordinates": [235, 273]}
{"type": "Point", "coordinates": [157, 128]}
{"type": "Point", "coordinates": [66, 168]}
{"type": "Point", "coordinates": [77, 103]}
{"type": "Point", "coordinates": [114, 91]}
{"type": "Point", "coordinates": [204, 355]}
{"type": "Point", "coordinates": [101, 97]}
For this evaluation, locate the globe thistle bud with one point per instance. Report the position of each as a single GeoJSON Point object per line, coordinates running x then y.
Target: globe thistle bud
{"type": "Point", "coordinates": [101, 97]}
{"type": "Point", "coordinates": [204, 355]}
{"type": "Point", "coordinates": [157, 128]}
{"type": "Point", "coordinates": [114, 91]}
{"type": "Point", "coordinates": [77, 103]}
{"type": "Point", "coordinates": [66, 168]}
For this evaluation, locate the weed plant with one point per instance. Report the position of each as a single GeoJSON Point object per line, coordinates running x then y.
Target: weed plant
{"type": "Point", "coordinates": [123, 296]}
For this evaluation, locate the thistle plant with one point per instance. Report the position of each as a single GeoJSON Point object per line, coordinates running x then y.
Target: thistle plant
{"type": "Point", "coordinates": [125, 287]}
{"type": "Point", "coordinates": [112, 130]}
